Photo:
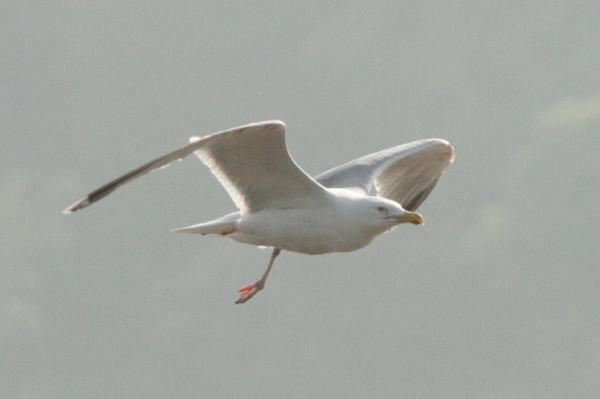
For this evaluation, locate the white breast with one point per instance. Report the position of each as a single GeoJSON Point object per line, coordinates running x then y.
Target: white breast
{"type": "Point", "coordinates": [314, 230]}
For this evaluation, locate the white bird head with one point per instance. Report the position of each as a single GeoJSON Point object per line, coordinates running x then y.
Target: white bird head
{"type": "Point", "coordinates": [384, 214]}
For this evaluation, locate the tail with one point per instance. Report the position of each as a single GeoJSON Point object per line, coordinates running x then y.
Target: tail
{"type": "Point", "coordinates": [221, 226]}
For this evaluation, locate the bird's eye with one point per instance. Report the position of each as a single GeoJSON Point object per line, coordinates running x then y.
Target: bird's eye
{"type": "Point", "coordinates": [381, 209]}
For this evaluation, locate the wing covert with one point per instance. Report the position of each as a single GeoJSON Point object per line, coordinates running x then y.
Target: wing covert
{"type": "Point", "coordinates": [256, 169]}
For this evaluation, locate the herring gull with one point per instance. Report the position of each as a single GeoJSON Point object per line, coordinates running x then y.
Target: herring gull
{"type": "Point", "coordinates": [282, 207]}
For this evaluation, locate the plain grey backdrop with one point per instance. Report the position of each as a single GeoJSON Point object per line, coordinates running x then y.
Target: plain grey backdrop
{"type": "Point", "coordinates": [496, 297]}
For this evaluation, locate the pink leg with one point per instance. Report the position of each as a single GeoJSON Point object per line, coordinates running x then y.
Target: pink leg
{"type": "Point", "coordinates": [248, 292]}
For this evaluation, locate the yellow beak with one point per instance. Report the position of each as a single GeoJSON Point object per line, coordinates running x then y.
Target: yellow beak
{"type": "Point", "coordinates": [410, 217]}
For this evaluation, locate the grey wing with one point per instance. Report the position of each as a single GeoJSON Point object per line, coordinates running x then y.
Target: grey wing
{"type": "Point", "coordinates": [406, 173]}
{"type": "Point", "coordinates": [251, 161]}
{"type": "Point", "coordinates": [256, 169]}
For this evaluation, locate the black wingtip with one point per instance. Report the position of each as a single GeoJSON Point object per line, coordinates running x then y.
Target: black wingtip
{"type": "Point", "coordinates": [82, 203]}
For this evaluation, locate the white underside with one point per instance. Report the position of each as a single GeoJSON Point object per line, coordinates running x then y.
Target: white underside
{"type": "Point", "coordinates": [299, 230]}
{"type": "Point", "coordinates": [329, 226]}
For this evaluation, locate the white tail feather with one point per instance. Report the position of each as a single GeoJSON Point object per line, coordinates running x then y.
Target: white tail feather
{"type": "Point", "coordinates": [221, 226]}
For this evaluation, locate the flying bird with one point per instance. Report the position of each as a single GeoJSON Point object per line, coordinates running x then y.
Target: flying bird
{"type": "Point", "coordinates": [280, 206]}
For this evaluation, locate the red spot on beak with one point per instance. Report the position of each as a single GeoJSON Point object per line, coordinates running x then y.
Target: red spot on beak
{"type": "Point", "coordinates": [417, 219]}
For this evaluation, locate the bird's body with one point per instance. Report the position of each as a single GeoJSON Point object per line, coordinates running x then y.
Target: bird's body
{"type": "Point", "coordinates": [280, 206]}
{"type": "Point", "coordinates": [332, 225]}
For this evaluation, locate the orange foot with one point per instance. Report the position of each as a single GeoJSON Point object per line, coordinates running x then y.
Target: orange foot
{"type": "Point", "coordinates": [248, 292]}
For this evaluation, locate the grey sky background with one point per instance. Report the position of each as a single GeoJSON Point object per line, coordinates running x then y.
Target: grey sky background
{"type": "Point", "coordinates": [496, 297]}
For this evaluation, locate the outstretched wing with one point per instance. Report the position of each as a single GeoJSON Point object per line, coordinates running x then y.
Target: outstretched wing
{"type": "Point", "coordinates": [251, 161]}
{"type": "Point", "coordinates": [406, 173]}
